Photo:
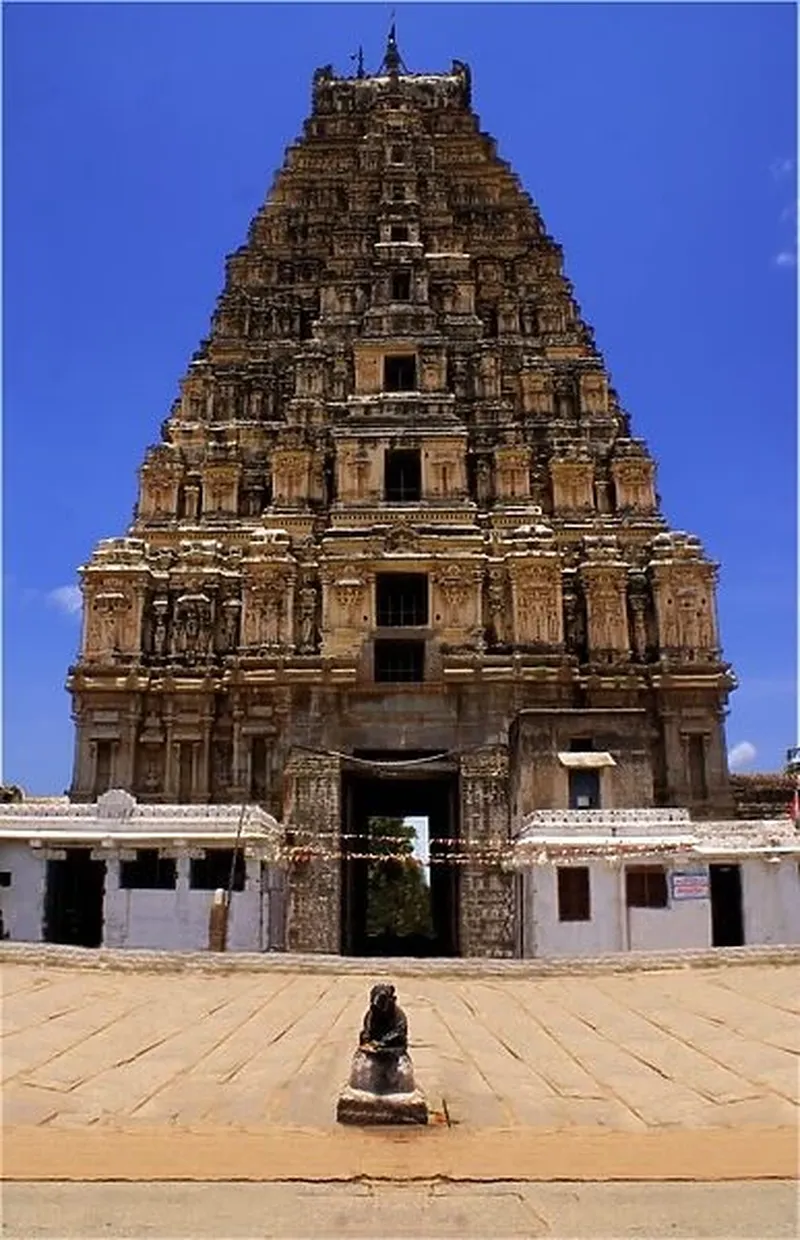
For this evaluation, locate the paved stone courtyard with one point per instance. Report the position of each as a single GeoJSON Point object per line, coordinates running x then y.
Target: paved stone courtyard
{"type": "Point", "coordinates": [542, 1081]}
{"type": "Point", "coordinates": [693, 1048]}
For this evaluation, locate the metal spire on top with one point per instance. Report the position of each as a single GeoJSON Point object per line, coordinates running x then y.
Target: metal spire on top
{"type": "Point", "coordinates": [358, 57]}
{"type": "Point", "coordinates": [392, 61]}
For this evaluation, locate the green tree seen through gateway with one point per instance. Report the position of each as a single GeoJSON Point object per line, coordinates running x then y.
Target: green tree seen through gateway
{"type": "Point", "coordinates": [398, 895]}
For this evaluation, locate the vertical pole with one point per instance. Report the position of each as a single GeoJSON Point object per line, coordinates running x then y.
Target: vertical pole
{"type": "Point", "coordinates": [225, 914]}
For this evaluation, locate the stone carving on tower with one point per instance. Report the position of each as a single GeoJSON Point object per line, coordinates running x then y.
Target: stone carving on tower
{"type": "Point", "coordinates": [397, 500]}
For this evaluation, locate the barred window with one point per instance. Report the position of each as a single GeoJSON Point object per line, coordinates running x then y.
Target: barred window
{"type": "Point", "coordinates": [402, 475]}
{"type": "Point", "coordinates": [149, 871]}
{"type": "Point", "coordinates": [402, 599]}
{"type": "Point", "coordinates": [574, 900]}
{"type": "Point", "coordinates": [213, 871]}
{"type": "Point", "coordinates": [397, 662]}
{"type": "Point", "coordinates": [646, 886]}
{"type": "Point", "coordinates": [584, 789]}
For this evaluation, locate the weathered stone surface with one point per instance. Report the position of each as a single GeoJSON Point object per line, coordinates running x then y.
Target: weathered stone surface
{"type": "Point", "coordinates": [358, 1106]}
{"type": "Point", "coordinates": [398, 380]}
{"type": "Point", "coordinates": [680, 1048]}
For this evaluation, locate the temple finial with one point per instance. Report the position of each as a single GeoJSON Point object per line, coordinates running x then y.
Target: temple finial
{"type": "Point", "coordinates": [358, 57]}
{"type": "Point", "coordinates": [392, 60]}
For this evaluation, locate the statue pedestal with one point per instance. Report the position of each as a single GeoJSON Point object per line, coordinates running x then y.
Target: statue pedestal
{"type": "Point", "coordinates": [381, 1090]}
{"type": "Point", "coordinates": [357, 1106]}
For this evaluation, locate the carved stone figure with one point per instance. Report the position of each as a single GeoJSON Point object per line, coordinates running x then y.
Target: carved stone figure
{"type": "Point", "coordinates": [160, 627]}
{"type": "Point", "coordinates": [496, 598]}
{"type": "Point", "coordinates": [191, 632]}
{"type": "Point", "coordinates": [381, 1088]}
{"type": "Point", "coordinates": [231, 610]}
{"type": "Point", "coordinates": [308, 618]}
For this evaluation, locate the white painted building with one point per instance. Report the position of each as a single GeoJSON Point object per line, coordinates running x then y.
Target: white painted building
{"type": "Point", "coordinates": [121, 874]}
{"type": "Point", "coordinates": [592, 882]}
{"type": "Point", "coordinates": [599, 881]}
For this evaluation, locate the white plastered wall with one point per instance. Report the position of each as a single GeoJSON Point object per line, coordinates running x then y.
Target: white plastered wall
{"type": "Point", "coordinates": [771, 901]}
{"type": "Point", "coordinates": [612, 927]}
{"type": "Point", "coordinates": [545, 935]}
{"type": "Point", "coordinates": [22, 903]}
{"type": "Point", "coordinates": [178, 920]}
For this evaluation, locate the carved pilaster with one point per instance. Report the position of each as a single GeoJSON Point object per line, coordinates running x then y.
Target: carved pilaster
{"type": "Point", "coordinates": [291, 476]}
{"type": "Point", "coordinates": [572, 485]}
{"type": "Point", "coordinates": [607, 621]}
{"type": "Point", "coordinates": [594, 392]}
{"type": "Point", "coordinates": [538, 610]}
{"type": "Point", "coordinates": [634, 478]}
{"type": "Point", "coordinates": [312, 812]}
{"type": "Point", "coordinates": [487, 894]}
{"type": "Point", "coordinates": [513, 476]}
{"type": "Point", "coordinates": [684, 592]}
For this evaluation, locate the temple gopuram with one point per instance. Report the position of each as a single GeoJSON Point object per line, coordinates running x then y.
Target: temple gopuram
{"type": "Point", "coordinates": [398, 550]}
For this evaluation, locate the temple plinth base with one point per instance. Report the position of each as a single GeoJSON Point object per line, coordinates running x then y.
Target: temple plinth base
{"type": "Point", "coordinates": [357, 1106]}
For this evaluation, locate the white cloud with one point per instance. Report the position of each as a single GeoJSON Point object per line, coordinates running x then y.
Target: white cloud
{"type": "Point", "coordinates": [786, 258]}
{"type": "Point", "coordinates": [741, 755]}
{"type": "Point", "coordinates": [781, 168]}
{"type": "Point", "coordinates": [67, 599]}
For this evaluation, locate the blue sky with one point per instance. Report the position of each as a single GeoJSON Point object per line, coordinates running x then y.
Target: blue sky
{"type": "Point", "coordinates": [658, 140]}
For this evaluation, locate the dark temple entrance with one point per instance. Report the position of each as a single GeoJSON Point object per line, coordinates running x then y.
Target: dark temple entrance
{"type": "Point", "coordinates": [74, 900]}
{"type": "Point", "coordinates": [401, 906]}
{"type": "Point", "coordinates": [727, 921]}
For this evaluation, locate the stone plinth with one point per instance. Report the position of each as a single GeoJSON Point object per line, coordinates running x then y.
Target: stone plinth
{"type": "Point", "coordinates": [358, 1106]}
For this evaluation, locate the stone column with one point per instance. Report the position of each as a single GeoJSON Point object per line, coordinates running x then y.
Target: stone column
{"type": "Point", "coordinates": [84, 759]}
{"type": "Point", "coordinates": [126, 772]}
{"type": "Point", "coordinates": [203, 775]}
{"type": "Point", "coordinates": [312, 812]}
{"type": "Point", "coordinates": [239, 788]}
{"type": "Point", "coordinates": [487, 903]}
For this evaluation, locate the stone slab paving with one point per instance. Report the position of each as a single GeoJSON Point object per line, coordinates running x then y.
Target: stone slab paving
{"type": "Point", "coordinates": [472, 1212]}
{"type": "Point", "coordinates": [632, 1052]}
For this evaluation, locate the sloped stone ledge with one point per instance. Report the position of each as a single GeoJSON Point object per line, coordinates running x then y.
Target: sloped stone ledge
{"type": "Point", "coordinates": [149, 961]}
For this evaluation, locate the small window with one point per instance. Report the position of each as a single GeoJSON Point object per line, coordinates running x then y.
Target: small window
{"type": "Point", "coordinates": [573, 893]}
{"type": "Point", "coordinates": [149, 871]}
{"type": "Point", "coordinates": [401, 286]}
{"type": "Point", "coordinates": [402, 599]}
{"type": "Point", "coordinates": [397, 155]}
{"type": "Point", "coordinates": [400, 373]}
{"type": "Point", "coordinates": [584, 789]}
{"type": "Point", "coordinates": [646, 886]}
{"type": "Point", "coordinates": [399, 232]}
{"type": "Point", "coordinates": [400, 661]}
{"type": "Point", "coordinates": [213, 871]}
{"type": "Point", "coordinates": [5, 878]}
{"type": "Point", "coordinates": [581, 744]}
{"type": "Point", "coordinates": [402, 475]}
{"type": "Point", "coordinates": [398, 193]}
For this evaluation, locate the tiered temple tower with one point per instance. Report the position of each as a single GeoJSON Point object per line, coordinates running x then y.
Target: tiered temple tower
{"type": "Point", "coordinates": [398, 521]}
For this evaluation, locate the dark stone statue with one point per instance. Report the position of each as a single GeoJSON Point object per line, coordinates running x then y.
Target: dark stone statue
{"type": "Point", "coordinates": [381, 1088]}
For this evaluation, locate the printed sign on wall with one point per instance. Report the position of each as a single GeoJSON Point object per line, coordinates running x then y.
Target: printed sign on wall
{"type": "Point", "coordinates": [689, 884]}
